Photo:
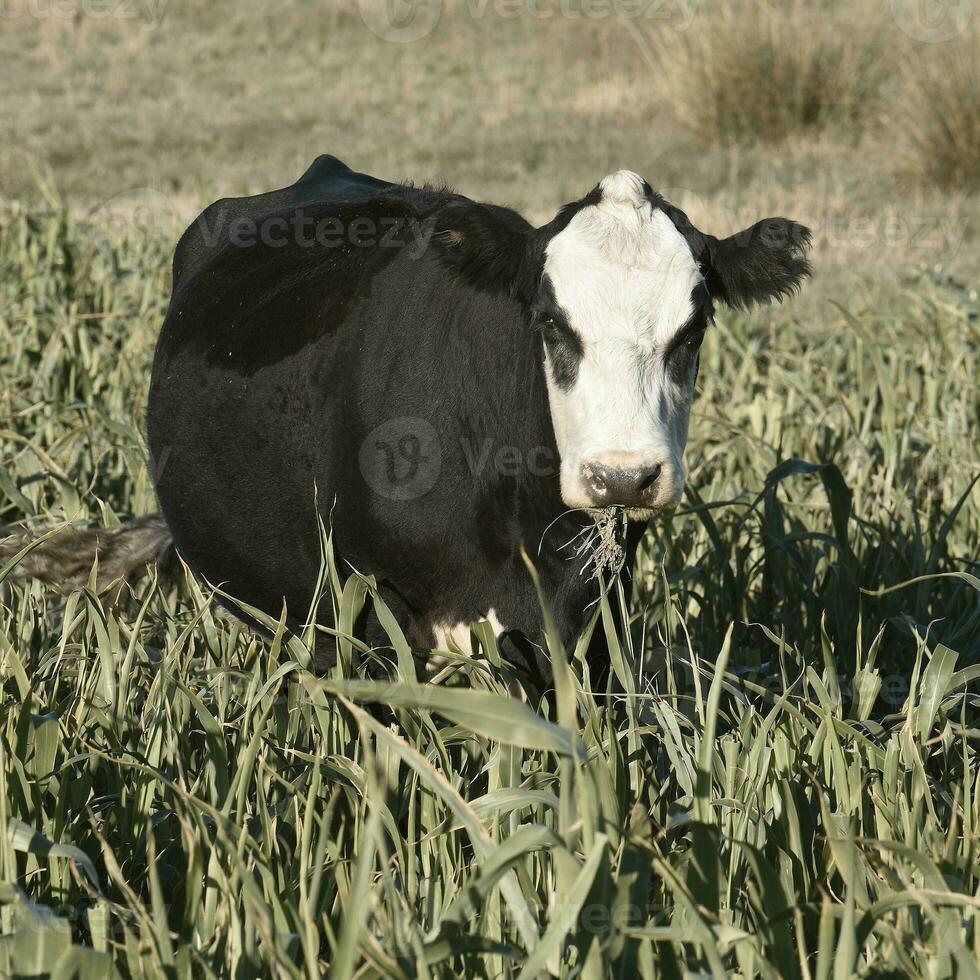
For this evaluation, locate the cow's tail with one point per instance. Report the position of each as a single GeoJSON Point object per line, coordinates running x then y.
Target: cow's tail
{"type": "Point", "coordinates": [66, 558]}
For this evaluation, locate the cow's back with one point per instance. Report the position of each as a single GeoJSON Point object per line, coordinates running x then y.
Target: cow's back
{"type": "Point", "coordinates": [282, 357]}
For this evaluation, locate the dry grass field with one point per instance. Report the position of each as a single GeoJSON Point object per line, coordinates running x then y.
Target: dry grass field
{"type": "Point", "coordinates": [837, 112]}
{"type": "Point", "coordinates": [783, 778]}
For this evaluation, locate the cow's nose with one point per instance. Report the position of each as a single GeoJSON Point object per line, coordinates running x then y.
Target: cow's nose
{"type": "Point", "coordinates": [629, 487]}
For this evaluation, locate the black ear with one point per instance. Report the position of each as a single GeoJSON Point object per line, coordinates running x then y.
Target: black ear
{"type": "Point", "coordinates": [489, 247]}
{"type": "Point", "coordinates": [765, 262]}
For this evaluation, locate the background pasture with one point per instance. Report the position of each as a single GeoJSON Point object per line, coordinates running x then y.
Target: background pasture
{"type": "Point", "coordinates": [786, 781]}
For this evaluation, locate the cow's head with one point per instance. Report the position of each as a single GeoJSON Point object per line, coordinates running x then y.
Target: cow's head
{"type": "Point", "coordinates": [621, 287]}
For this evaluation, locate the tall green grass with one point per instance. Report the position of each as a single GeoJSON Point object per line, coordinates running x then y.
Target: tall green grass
{"type": "Point", "coordinates": [780, 781]}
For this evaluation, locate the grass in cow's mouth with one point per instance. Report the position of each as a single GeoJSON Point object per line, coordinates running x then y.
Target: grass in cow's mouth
{"type": "Point", "coordinates": [598, 547]}
{"type": "Point", "coordinates": [781, 780]}
{"type": "Point", "coordinates": [602, 546]}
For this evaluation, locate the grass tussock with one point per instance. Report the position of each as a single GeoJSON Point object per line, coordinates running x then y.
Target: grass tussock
{"type": "Point", "coordinates": [783, 781]}
{"type": "Point", "coordinates": [754, 71]}
{"type": "Point", "coordinates": [936, 116]}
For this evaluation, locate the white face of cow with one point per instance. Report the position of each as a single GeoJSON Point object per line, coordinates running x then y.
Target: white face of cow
{"type": "Point", "coordinates": [623, 316]}
{"type": "Point", "coordinates": [620, 286]}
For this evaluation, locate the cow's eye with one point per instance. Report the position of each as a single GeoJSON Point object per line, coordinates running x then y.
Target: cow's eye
{"type": "Point", "coordinates": [553, 330]}
{"type": "Point", "coordinates": [686, 346]}
{"type": "Point", "coordinates": [681, 358]}
{"type": "Point", "coordinates": [550, 324]}
{"type": "Point", "coordinates": [558, 336]}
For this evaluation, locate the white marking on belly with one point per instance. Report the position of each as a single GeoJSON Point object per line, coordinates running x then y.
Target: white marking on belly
{"type": "Point", "coordinates": [456, 637]}
{"type": "Point", "coordinates": [495, 624]}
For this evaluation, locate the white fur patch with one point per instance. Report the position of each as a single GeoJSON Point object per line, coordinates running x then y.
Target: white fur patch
{"type": "Point", "coordinates": [456, 638]}
{"type": "Point", "coordinates": [623, 186]}
{"type": "Point", "coordinates": [623, 274]}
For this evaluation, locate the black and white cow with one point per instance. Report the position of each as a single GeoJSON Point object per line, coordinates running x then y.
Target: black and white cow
{"type": "Point", "coordinates": [438, 380]}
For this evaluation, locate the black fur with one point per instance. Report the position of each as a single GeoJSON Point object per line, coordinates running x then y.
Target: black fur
{"type": "Point", "coordinates": [275, 369]}
{"type": "Point", "coordinates": [487, 246]}
{"type": "Point", "coordinates": [393, 391]}
{"type": "Point", "coordinates": [763, 263]}
{"type": "Point", "coordinates": [757, 265]}
{"type": "Point", "coordinates": [564, 346]}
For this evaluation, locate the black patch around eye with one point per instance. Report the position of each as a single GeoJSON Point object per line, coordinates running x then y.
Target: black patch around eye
{"type": "Point", "coordinates": [683, 355]}
{"type": "Point", "coordinates": [564, 352]}
{"type": "Point", "coordinates": [563, 344]}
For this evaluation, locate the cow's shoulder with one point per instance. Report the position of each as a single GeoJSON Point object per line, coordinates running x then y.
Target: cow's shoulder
{"type": "Point", "coordinates": [328, 187]}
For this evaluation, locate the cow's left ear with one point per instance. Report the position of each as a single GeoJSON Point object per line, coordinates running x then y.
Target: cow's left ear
{"type": "Point", "coordinates": [486, 246]}
{"type": "Point", "coordinates": [763, 263]}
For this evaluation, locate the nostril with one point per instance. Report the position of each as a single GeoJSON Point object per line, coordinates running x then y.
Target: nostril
{"type": "Point", "coordinates": [599, 477]}
{"type": "Point", "coordinates": [650, 477]}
